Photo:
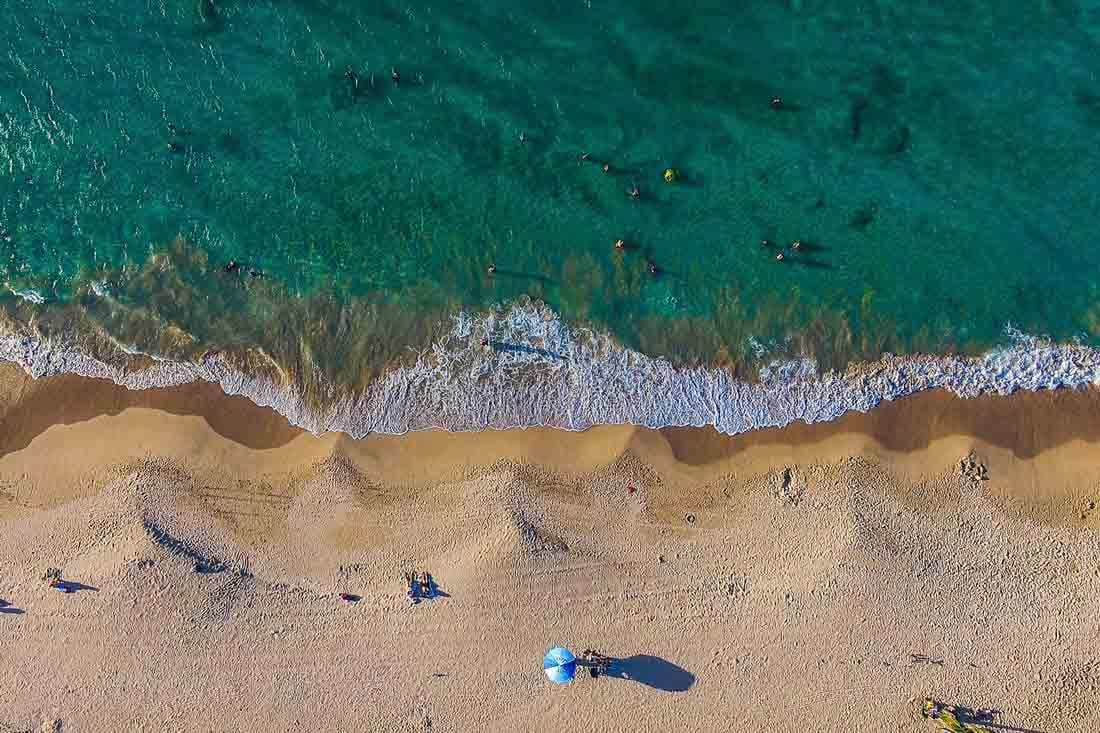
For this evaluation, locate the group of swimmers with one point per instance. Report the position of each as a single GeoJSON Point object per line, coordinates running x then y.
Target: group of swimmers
{"type": "Point", "coordinates": [795, 246]}
{"type": "Point", "coordinates": [176, 131]}
{"type": "Point", "coordinates": [243, 267]}
{"type": "Point", "coordinates": [635, 193]}
{"type": "Point", "coordinates": [353, 77]}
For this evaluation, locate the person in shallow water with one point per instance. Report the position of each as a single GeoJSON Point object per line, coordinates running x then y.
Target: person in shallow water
{"type": "Point", "coordinates": [395, 75]}
{"type": "Point", "coordinates": [634, 193]}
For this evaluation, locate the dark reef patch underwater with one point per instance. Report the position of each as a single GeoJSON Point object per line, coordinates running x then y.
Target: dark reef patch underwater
{"type": "Point", "coordinates": [302, 201]}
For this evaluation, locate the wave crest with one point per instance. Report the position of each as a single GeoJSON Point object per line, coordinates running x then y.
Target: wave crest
{"type": "Point", "coordinates": [522, 366]}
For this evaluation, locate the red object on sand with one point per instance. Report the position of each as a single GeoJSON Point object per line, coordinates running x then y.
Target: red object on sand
{"type": "Point", "coordinates": [631, 489]}
{"type": "Point", "coordinates": [346, 597]}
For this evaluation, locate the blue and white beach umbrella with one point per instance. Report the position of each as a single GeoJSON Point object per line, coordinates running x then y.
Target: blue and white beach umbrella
{"type": "Point", "coordinates": [560, 665]}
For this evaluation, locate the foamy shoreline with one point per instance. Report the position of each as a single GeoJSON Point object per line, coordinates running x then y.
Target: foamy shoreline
{"type": "Point", "coordinates": [537, 371]}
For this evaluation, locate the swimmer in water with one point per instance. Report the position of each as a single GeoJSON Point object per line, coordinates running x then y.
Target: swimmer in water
{"type": "Point", "coordinates": [523, 137]}
{"type": "Point", "coordinates": [606, 167]}
{"type": "Point", "coordinates": [350, 75]}
{"type": "Point", "coordinates": [235, 266]}
{"type": "Point", "coordinates": [174, 147]}
{"type": "Point", "coordinates": [635, 193]}
{"type": "Point", "coordinates": [777, 102]}
{"type": "Point", "coordinates": [652, 267]}
{"type": "Point", "coordinates": [796, 244]}
{"type": "Point", "coordinates": [620, 244]}
{"type": "Point", "coordinates": [181, 131]}
{"type": "Point", "coordinates": [765, 243]}
{"type": "Point", "coordinates": [395, 75]}
{"type": "Point", "coordinates": [492, 269]}
{"type": "Point", "coordinates": [779, 257]}
{"type": "Point", "coordinates": [585, 157]}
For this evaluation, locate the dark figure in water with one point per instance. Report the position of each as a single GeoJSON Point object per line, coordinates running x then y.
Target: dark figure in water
{"type": "Point", "coordinates": [395, 75]}
{"type": "Point", "coordinates": [523, 137]}
{"type": "Point", "coordinates": [492, 269]}
{"type": "Point", "coordinates": [585, 157]}
{"type": "Point", "coordinates": [351, 76]}
{"type": "Point", "coordinates": [620, 244]}
{"type": "Point", "coordinates": [765, 243]}
{"type": "Point", "coordinates": [652, 267]}
{"type": "Point", "coordinates": [635, 193]}
{"type": "Point", "coordinates": [175, 147]}
{"type": "Point", "coordinates": [777, 103]}
{"type": "Point", "coordinates": [177, 130]}
{"type": "Point", "coordinates": [251, 270]}
{"type": "Point", "coordinates": [208, 11]}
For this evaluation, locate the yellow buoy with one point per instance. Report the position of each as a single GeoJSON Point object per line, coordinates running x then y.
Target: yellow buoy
{"type": "Point", "coordinates": [671, 174]}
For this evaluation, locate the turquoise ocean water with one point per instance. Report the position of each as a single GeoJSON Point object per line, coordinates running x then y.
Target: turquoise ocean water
{"type": "Point", "coordinates": [938, 163]}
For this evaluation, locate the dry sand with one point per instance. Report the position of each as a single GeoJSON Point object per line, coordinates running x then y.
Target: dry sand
{"type": "Point", "coordinates": [813, 578]}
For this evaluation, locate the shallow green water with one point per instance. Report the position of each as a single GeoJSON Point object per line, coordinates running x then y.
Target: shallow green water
{"type": "Point", "coordinates": [939, 165]}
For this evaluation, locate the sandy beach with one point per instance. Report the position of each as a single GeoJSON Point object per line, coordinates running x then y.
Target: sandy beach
{"type": "Point", "coordinates": [810, 578]}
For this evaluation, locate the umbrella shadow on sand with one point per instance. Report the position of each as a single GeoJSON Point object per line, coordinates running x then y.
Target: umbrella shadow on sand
{"type": "Point", "coordinates": [651, 671]}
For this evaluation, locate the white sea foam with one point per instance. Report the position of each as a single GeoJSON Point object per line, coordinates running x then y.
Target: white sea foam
{"type": "Point", "coordinates": [536, 370]}
{"type": "Point", "coordinates": [31, 296]}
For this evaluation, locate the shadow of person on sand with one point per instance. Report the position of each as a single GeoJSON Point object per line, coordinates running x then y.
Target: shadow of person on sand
{"type": "Point", "coordinates": [955, 717]}
{"type": "Point", "coordinates": [651, 671]}
{"type": "Point", "coordinates": [6, 607]}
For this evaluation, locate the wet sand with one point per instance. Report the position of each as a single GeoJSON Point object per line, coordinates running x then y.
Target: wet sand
{"type": "Point", "coordinates": [806, 578]}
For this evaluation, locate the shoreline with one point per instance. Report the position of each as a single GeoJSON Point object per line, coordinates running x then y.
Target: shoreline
{"type": "Point", "coordinates": [1037, 446]}
{"type": "Point", "coordinates": [539, 372]}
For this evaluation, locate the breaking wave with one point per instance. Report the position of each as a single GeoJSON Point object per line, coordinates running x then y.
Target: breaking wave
{"type": "Point", "coordinates": [522, 366]}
